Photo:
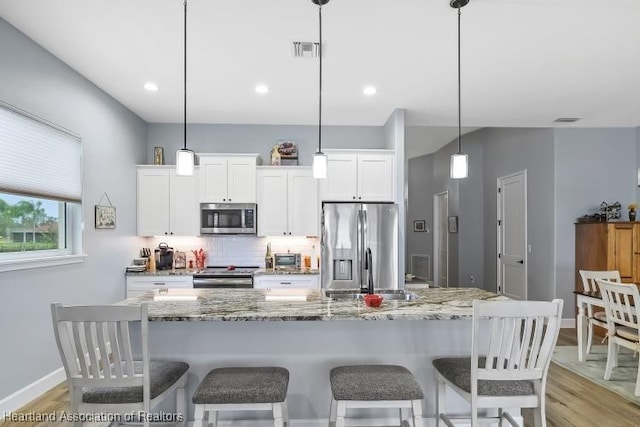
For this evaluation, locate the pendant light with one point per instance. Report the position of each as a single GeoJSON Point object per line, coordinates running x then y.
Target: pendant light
{"type": "Point", "coordinates": [319, 158]}
{"type": "Point", "coordinates": [459, 162]}
{"type": "Point", "coordinates": [185, 158]}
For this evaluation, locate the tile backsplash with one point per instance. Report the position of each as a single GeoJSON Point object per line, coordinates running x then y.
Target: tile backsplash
{"type": "Point", "coordinates": [240, 250]}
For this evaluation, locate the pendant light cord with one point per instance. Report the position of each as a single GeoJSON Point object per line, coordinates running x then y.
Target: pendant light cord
{"type": "Point", "coordinates": [459, 91]}
{"type": "Point", "coordinates": [320, 81]}
{"type": "Point", "coordinates": [185, 74]}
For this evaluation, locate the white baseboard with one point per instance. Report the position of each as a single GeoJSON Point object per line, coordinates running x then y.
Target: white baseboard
{"type": "Point", "coordinates": [568, 323]}
{"type": "Point", "coordinates": [27, 394]}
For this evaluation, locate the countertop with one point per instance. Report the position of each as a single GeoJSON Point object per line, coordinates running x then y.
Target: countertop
{"type": "Point", "coordinates": [177, 272]}
{"type": "Point", "coordinates": [272, 272]}
{"type": "Point", "coordinates": [250, 305]}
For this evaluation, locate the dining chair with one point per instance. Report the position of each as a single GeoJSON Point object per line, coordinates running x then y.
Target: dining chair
{"type": "Point", "coordinates": [622, 305]}
{"type": "Point", "coordinates": [96, 344]}
{"type": "Point", "coordinates": [589, 284]}
{"type": "Point", "coordinates": [511, 347]}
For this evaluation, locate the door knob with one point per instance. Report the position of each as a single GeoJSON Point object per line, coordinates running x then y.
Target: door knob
{"type": "Point", "coordinates": [521, 261]}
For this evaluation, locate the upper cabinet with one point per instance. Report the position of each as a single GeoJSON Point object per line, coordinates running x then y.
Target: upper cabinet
{"type": "Point", "coordinates": [287, 202]}
{"type": "Point", "coordinates": [228, 179]}
{"type": "Point", "coordinates": [359, 175]}
{"type": "Point", "coordinates": [167, 203]}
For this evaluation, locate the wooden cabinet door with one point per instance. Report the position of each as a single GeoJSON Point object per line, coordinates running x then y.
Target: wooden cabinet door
{"type": "Point", "coordinates": [213, 180]}
{"type": "Point", "coordinates": [184, 206]}
{"type": "Point", "coordinates": [272, 202]}
{"type": "Point", "coordinates": [341, 182]}
{"type": "Point", "coordinates": [241, 180]}
{"type": "Point", "coordinates": [622, 251]}
{"type": "Point", "coordinates": [153, 202]}
{"type": "Point", "coordinates": [303, 203]}
{"type": "Point", "coordinates": [375, 178]}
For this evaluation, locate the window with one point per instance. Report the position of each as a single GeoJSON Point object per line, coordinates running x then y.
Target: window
{"type": "Point", "coordinates": [40, 192]}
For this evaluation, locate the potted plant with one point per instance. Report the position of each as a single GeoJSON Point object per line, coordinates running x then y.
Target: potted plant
{"type": "Point", "coordinates": [632, 211]}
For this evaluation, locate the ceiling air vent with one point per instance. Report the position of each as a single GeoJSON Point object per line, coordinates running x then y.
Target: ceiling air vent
{"type": "Point", "coordinates": [566, 119]}
{"type": "Point", "coordinates": [305, 49]}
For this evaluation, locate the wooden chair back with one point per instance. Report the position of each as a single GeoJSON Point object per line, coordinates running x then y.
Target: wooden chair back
{"type": "Point", "coordinates": [621, 303]}
{"type": "Point", "coordinates": [590, 278]}
{"type": "Point", "coordinates": [96, 345]}
{"type": "Point", "coordinates": [516, 337]}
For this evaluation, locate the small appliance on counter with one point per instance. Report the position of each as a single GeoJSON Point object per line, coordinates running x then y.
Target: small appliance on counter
{"type": "Point", "coordinates": [288, 261]}
{"type": "Point", "coordinates": [164, 257]}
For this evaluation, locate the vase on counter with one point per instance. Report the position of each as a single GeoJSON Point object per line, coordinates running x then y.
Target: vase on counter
{"type": "Point", "coordinates": [632, 214]}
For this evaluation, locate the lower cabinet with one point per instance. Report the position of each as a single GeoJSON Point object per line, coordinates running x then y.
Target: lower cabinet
{"type": "Point", "coordinates": [139, 285]}
{"type": "Point", "coordinates": [287, 281]}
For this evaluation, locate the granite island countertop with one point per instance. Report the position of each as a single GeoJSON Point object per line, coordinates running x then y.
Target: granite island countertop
{"type": "Point", "coordinates": [250, 305]}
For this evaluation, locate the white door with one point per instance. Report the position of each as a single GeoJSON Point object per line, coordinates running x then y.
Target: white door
{"type": "Point", "coordinates": [303, 203]}
{"type": "Point", "coordinates": [241, 180]}
{"type": "Point", "coordinates": [272, 202]}
{"type": "Point", "coordinates": [341, 181]}
{"type": "Point", "coordinates": [512, 235]}
{"type": "Point", "coordinates": [213, 179]}
{"type": "Point", "coordinates": [441, 239]}
{"type": "Point", "coordinates": [375, 177]}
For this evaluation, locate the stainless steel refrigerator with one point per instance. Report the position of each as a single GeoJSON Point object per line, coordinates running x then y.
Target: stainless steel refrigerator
{"type": "Point", "coordinates": [348, 230]}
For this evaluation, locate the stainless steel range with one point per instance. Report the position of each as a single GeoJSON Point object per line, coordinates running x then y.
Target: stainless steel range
{"type": "Point", "coordinates": [224, 277]}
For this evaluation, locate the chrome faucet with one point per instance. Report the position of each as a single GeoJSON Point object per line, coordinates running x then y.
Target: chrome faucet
{"type": "Point", "coordinates": [368, 265]}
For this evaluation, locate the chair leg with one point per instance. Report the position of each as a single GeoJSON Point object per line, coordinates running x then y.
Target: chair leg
{"type": "Point", "coordinates": [416, 410]}
{"type": "Point", "coordinates": [181, 405]}
{"type": "Point", "coordinates": [332, 411]}
{"type": "Point", "coordinates": [440, 398]}
{"type": "Point", "coordinates": [212, 418]}
{"type": "Point", "coordinates": [198, 416]}
{"type": "Point", "coordinates": [341, 412]}
{"type": "Point", "coordinates": [285, 414]}
{"type": "Point", "coordinates": [637, 392]}
{"type": "Point", "coordinates": [404, 415]}
{"type": "Point", "coordinates": [474, 413]}
{"type": "Point", "coordinates": [277, 414]}
{"type": "Point", "coordinates": [611, 355]}
{"type": "Point", "coordinates": [589, 336]}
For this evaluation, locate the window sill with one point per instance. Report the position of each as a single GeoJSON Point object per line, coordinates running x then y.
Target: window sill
{"type": "Point", "coordinates": [24, 264]}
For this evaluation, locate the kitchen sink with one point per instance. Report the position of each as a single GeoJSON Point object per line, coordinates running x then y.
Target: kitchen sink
{"type": "Point", "coordinates": [389, 294]}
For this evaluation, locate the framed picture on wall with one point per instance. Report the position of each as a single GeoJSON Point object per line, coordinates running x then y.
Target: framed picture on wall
{"type": "Point", "coordinates": [419, 225]}
{"type": "Point", "coordinates": [453, 224]}
{"type": "Point", "coordinates": [105, 216]}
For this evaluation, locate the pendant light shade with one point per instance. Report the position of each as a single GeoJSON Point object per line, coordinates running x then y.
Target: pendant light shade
{"type": "Point", "coordinates": [185, 158]}
{"type": "Point", "coordinates": [459, 168]}
{"type": "Point", "coordinates": [319, 158]}
{"type": "Point", "coordinates": [319, 165]}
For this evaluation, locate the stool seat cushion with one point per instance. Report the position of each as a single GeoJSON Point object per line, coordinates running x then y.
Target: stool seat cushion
{"type": "Point", "coordinates": [162, 374]}
{"type": "Point", "coordinates": [458, 371]}
{"type": "Point", "coordinates": [374, 382]}
{"type": "Point", "coordinates": [264, 384]}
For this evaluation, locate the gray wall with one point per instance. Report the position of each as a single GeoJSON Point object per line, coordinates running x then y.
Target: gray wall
{"type": "Point", "coordinates": [508, 151]}
{"type": "Point", "coordinates": [217, 138]}
{"type": "Point", "coordinates": [113, 141]}
{"type": "Point", "coordinates": [420, 192]}
{"type": "Point", "coordinates": [592, 166]}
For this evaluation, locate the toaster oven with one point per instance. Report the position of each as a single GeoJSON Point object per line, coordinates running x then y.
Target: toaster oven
{"type": "Point", "coordinates": [288, 261]}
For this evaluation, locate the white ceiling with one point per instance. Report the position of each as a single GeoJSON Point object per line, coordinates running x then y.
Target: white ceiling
{"type": "Point", "coordinates": [524, 62]}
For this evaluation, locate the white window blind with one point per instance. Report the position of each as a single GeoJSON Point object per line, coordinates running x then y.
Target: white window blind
{"type": "Point", "coordinates": [38, 158]}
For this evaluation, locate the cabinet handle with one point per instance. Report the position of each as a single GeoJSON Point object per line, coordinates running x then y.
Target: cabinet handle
{"type": "Point", "coordinates": [285, 283]}
{"type": "Point", "coordinates": [284, 232]}
{"type": "Point", "coordinates": [359, 198]}
{"type": "Point", "coordinates": [229, 199]}
{"type": "Point", "coordinates": [289, 233]}
{"type": "Point", "coordinates": [171, 233]}
{"type": "Point", "coordinates": [354, 197]}
{"type": "Point", "coordinates": [165, 233]}
{"type": "Point", "coordinates": [159, 283]}
{"type": "Point", "coordinates": [224, 200]}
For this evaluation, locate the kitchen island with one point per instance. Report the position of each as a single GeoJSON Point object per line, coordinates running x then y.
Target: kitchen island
{"type": "Point", "coordinates": [238, 327]}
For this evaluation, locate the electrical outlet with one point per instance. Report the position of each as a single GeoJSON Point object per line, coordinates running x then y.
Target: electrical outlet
{"type": "Point", "coordinates": [427, 230]}
{"type": "Point", "coordinates": [529, 248]}
{"type": "Point", "coordinates": [472, 279]}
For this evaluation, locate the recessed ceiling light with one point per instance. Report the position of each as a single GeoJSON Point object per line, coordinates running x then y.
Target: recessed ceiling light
{"type": "Point", "coordinates": [262, 89]}
{"type": "Point", "coordinates": [151, 87]}
{"type": "Point", "coordinates": [369, 90]}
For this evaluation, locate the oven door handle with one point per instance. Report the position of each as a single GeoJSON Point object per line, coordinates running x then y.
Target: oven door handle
{"type": "Point", "coordinates": [218, 281]}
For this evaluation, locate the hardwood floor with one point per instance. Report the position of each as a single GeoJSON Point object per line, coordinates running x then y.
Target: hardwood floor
{"type": "Point", "coordinates": [572, 401]}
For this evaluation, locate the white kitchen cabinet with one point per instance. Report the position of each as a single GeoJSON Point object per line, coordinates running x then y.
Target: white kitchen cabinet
{"type": "Point", "coordinates": [287, 202]}
{"type": "Point", "coordinates": [167, 204]}
{"type": "Point", "coordinates": [138, 285]}
{"type": "Point", "coordinates": [359, 175]}
{"type": "Point", "coordinates": [286, 281]}
{"type": "Point", "coordinates": [228, 179]}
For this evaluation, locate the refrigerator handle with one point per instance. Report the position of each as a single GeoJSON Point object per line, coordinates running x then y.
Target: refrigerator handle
{"type": "Point", "coordinates": [363, 247]}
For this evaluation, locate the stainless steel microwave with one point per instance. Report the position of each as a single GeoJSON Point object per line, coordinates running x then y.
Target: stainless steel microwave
{"type": "Point", "coordinates": [228, 218]}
